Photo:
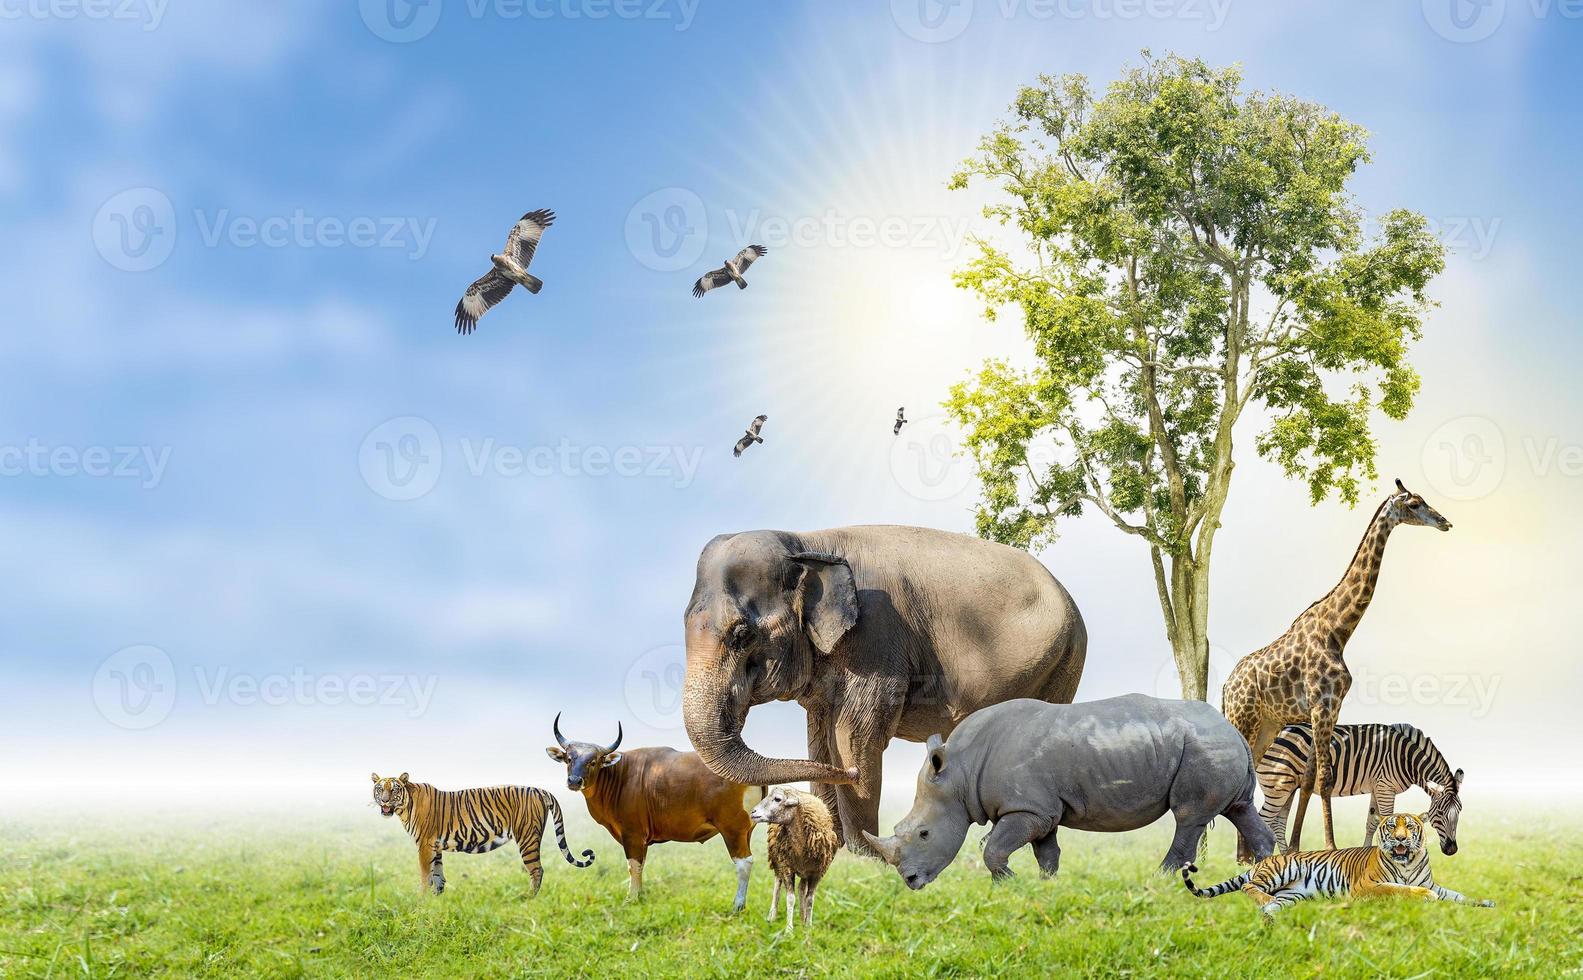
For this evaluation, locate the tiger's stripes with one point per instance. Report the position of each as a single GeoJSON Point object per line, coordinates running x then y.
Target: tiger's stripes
{"type": "Point", "coordinates": [1379, 760]}
{"type": "Point", "coordinates": [1398, 866]}
{"type": "Point", "coordinates": [474, 821]}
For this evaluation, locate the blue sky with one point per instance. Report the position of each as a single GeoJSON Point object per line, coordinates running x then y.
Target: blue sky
{"type": "Point", "coordinates": [575, 451]}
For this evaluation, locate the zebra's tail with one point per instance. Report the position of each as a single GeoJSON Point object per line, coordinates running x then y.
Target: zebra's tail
{"type": "Point", "coordinates": [1229, 885]}
{"type": "Point", "coordinates": [560, 836]}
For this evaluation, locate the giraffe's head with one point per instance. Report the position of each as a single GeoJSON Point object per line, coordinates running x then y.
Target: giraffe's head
{"type": "Point", "coordinates": [1407, 507]}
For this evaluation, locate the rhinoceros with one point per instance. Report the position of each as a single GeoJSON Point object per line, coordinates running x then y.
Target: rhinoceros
{"type": "Point", "coordinates": [1030, 767]}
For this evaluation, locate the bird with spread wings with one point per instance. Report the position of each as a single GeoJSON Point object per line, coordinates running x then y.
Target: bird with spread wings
{"type": "Point", "coordinates": [901, 420]}
{"type": "Point", "coordinates": [730, 272]}
{"type": "Point", "coordinates": [510, 269]}
{"type": "Point", "coordinates": [751, 435]}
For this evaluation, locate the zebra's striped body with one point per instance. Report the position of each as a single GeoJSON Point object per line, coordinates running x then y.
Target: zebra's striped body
{"type": "Point", "coordinates": [1378, 760]}
{"type": "Point", "coordinates": [473, 821]}
{"type": "Point", "coordinates": [1399, 866]}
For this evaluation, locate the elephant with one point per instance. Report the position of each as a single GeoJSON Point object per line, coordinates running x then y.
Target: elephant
{"type": "Point", "coordinates": [878, 632]}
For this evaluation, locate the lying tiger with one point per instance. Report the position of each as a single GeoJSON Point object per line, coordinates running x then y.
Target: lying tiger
{"type": "Point", "coordinates": [474, 821]}
{"type": "Point", "coordinates": [1398, 866]}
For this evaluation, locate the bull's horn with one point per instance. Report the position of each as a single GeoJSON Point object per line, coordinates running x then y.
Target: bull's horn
{"type": "Point", "coordinates": [612, 746]}
{"type": "Point", "coordinates": [886, 847]}
{"type": "Point", "coordinates": [559, 738]}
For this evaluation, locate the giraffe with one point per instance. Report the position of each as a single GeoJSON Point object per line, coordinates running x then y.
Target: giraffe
{"type": "Point", "coordinates": [1301, 678]}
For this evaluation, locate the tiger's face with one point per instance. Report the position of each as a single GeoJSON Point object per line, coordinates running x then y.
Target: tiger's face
{"type": "Point", "coordinates": [390, 794]}
{"type": "Point", "coordinates": [1402, 838]}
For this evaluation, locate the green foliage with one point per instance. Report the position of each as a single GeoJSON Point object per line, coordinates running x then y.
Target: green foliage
{"type": "Point", "coordinates": [1194, 249]}
{"type": "Point", "coordinates": [336, 896]}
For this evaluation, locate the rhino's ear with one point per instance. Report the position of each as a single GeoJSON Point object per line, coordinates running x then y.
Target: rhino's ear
{"type": "Point", "coordinates": [936, 748]}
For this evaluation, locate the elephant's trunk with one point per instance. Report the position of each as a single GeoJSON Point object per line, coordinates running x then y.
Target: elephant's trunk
{"type": "Point", "coordinates": [714, 724]}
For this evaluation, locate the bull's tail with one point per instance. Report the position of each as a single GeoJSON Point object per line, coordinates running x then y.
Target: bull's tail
{"type": "Point", "coordinates": [560, 835]}
{"type": "Point", "coordinates": [1229, 885]}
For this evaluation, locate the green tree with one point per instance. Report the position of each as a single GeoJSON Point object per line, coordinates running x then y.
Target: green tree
{"type": "Point", "coordinates": [1193, 250]}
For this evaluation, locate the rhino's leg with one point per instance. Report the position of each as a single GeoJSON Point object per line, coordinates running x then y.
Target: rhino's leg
{"type": "Point", "coordinates": [1012, 832]}
{"type": "Point", "coordinates": [1251, 829]}
{"type": "Point", "coordinates": [1047, 851]}
{"type": "Point", "coordinates": [1184, 846]}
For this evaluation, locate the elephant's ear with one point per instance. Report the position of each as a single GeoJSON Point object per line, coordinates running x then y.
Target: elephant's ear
{"type": "Point", "coordinates": [826, 599]}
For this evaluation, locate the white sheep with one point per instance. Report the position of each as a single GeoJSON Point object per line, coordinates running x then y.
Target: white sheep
{"type": "Point", "coordinates": [802, 843]}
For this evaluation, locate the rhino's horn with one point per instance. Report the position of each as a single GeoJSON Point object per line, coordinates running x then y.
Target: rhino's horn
{"type": "Point", "coordinates": [886, 847]}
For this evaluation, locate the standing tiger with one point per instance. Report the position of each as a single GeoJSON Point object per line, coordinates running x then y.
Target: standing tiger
{"type": "Point", "coordinates": [1380, 760]}
{"type": "Point", "coordinates": [474, 821]}
{"type": "Point", "coordinates": [1398, 866]}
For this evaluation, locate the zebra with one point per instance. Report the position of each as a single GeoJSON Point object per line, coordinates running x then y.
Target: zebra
{"type": "Point", "coordinates": [1381, 760]}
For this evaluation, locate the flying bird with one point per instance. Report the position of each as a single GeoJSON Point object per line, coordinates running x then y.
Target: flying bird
{"type": "Point", "coordinates": [730, 272]}
{"type": "Point", "coordinates": [510, 269]}
{"type": "Point", "coordinates": [901, 420]}
{"type": "Point", "coordinates": [751, 435]}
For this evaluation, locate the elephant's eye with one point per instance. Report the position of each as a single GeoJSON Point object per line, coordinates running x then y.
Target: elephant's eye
{"type": "Point", "coordinates": [923, 835]}
{"type": "Point", "coordinates": [739, 637]}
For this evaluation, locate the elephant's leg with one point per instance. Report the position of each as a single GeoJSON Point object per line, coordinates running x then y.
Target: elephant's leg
{"type": "Point", "coordinates": [859, 804]}
{"type": "Point", "coordinates": [1012, 832]}
{"type": "Point", "coordinates": [819, 740]}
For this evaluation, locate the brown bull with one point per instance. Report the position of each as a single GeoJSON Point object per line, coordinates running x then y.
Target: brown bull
{"type": "Point", "coordinates": [649, 796]}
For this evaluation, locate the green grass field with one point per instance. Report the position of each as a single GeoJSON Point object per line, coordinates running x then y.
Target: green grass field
{"type": "Point", "coordinates": [338, 896]}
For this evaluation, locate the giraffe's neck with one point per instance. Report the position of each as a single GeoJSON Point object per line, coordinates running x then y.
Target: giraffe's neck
{"type": "Point", "coordinates": [1344, 607]}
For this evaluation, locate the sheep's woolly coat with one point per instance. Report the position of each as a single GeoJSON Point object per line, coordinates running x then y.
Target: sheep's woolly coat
{"type": "Point", "coordinates": [806, 846]}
